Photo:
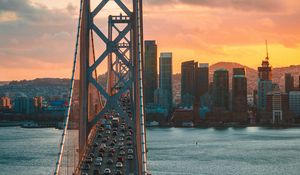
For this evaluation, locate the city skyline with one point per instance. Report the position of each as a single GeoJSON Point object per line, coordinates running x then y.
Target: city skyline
{"type": "Point", "coordinates": [29, 55]}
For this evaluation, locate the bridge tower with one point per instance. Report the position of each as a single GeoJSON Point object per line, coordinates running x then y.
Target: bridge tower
{"type": "Point", "coordinates": [123, 56]}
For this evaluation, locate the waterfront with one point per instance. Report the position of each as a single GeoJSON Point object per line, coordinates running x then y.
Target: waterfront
{"type": "Point", "coordinates": [172, 151]}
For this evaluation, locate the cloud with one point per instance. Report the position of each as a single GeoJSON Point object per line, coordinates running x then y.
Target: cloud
{"type": "Point", "coordinates": [35, 34]}
{"type": "Point", "coordinates": [253, 5]}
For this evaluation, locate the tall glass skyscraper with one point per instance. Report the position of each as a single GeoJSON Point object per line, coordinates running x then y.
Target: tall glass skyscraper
{"type": "Point", "coordinates": [239, 90]}
{"type": "Point", "coordinates": [264, 83]}
{"type": "Point", "coordinates": [165, 77]}
{"type": "Point", "coordinates": [221, 89]}
{"type": "Point", "coordinates": [150, 70]}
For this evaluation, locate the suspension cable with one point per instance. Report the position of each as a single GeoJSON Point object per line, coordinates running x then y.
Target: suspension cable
{"type": "Point", "coordinates": [67, 114]}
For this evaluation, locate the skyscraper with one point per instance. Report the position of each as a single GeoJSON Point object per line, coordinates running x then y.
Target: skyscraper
{"type": "Point", "coordinates": [150, 71]}
{"type": "Point", "coordinates": [221, 89]}
{"type": "Point", "coordinates": [289, 82]}
{"type": "Point", "coordinates": [264, 82]}
{"type": "Point", "coordinates": [239, 90]}
{"type": "Point", "coordinates": [202, 79]}
{"type": "Point", "coordinates": [294, 102]}
{"type": "Point", "coordinates": [188, 83]}
{"type": "Point", "coordinates": [165, 76]}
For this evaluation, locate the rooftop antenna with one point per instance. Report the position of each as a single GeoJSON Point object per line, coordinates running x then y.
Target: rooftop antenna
{"type": "Point", "coordinates": [267, 50]}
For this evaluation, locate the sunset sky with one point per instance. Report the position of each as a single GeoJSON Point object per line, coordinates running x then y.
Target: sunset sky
{"type": "Point", "coordinates": [37, 37]}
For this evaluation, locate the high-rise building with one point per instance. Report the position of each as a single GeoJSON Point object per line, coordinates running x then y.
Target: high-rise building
{"type": "Point", "coordinates": [150, 70]}
{"type": "Point", "coordinates": [202, 79]}
{"type": "Point", "coordinates": [289, 82]}
{"type": "Point", "coordinates": [264, 82]}
{"type": "Point", "coordinates": [188, 82]}
{"type": "Point", "coordinates": [24, 105]}
{"type": "Point", "coordinates": [239, 90]}
{"type": "Point", "coordinates": [277, 104]}
{"type": "Point", "coordinates": [221, 89]}
{"type": "Point", "coordinates": [165, 76]}
{"type": "Point", "coordinates": [294, 102]}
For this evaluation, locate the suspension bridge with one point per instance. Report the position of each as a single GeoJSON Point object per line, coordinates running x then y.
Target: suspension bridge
{"type": "Point", "coordinates": [104, 131]}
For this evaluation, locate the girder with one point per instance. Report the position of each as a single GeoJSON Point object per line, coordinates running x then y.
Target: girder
{"type": "Point", "coordinates": [124, 72]}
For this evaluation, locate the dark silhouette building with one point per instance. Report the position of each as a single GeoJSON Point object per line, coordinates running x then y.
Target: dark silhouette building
{"type": "Point", "coordinates": [194, 82]}
{"type": "Point", "coordinates": [221, 89]}
{"type": "Point", "coordinates": [202, 79]}
{"type": "Point", "coordinates": [289, 82]}
{"type": "Point", "coordinates": [150, 71]}
{"type": "Point", "coordinates": [239, 90]}
{"type": "Point", "coordinates": [188, 82]}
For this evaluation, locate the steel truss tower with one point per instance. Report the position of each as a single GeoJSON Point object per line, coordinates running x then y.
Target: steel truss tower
{"type": "Point", "coordinates": [124, 55]}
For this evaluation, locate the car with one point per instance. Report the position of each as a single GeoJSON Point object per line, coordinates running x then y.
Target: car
{"type": "Point", "coordinates": [121, 143]}
{"type": "Point", "coordinates": [120, 159]}
{"type": "Point", "coordinates": [128, 138]}
{"type": "Point", "coordinates": [107, 171]}
{"type": "Point", "coordinates": [96, 172]}
{"type": "Point", "coordinates": [119, 165]}
{"type": "Point", "coordinates": [110, 161]}
{"type": "Point", "coordinates": [84, 173]}
{"type": "Point", "coordinates": [130, 151]}
{"type": "Point", "coordinates": [122, 135]}
{"type": "Point", "coordinates": [104, 140]}
{"type": "Point", "coordinates": [101, 129]}
{"type": "Point", "coordinates": [112, 150]}
{"type": "Point", "coordinates": [122, 148]}
{"type": "Point", "coordinates": [129, 143]}
{"type": "Point", "coordinates": [118, 172]}
{"type": "Point", "coordinates": [100, 159]}
{"type": "Point", "coordinates": [107, 131]}
{"type": "Point", "coordinates": [130, 157]}
{"type": "Point", "coordinates": [91, 155]}
{"type": "Point", "coordinates": [89, 160]}
{"type": "Point", "coordinates": [121, 139]}
{"type": "Point", "coordinates": [86, 167]}
{"type": "Point", "coordinates": [112, 144]}
{"type": "Point", "coordinates": [97, 163]}
{"type": "Point", "coordinates": [110, 154]}
{"type": "Point", "coordinates": [100, 154]}
{"type": "Point", "coordinates": [114, 133]}
{"type": "Point", "coordinates": [99, 136]}
{"type": "Point", "coordinates": [122, 153]}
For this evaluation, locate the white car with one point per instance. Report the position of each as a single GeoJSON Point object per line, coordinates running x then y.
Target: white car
{"type": "Point", "coordinates": [99, 159]}
{"type": "Point", "coordinates": [122, 153]}
{"type": "Point", "coordinates": [97, 163]}
{"type": "Point", "coordinates": [107, 171]}
{"type": "Point", "coordinates": [119, 165]}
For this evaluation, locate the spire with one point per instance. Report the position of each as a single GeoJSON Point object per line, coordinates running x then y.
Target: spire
{"type": "Point", "coordinates": [267, 51]}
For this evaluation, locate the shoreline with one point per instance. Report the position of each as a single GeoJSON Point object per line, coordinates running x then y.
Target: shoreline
{"type": "Point", "coordinates": [57, 125]}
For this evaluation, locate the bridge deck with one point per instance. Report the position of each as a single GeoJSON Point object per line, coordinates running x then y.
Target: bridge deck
{"type": "Point", "coordinates": [111, 150]}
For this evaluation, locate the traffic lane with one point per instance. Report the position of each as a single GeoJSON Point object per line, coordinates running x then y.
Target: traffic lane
{"type": "Point", "coordinates": [126, 164]}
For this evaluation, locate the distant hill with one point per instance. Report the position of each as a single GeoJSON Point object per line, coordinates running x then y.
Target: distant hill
{"type": "Point", "coordinates": [3, 83]}
{"type": "Point", "coordinates": [43, 82]}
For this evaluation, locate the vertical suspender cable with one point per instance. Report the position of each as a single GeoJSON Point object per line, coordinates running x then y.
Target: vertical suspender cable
{"type": "Point", "coordinates": [140, 79]}
{"type": "Point", "coordinates": [67, 114]}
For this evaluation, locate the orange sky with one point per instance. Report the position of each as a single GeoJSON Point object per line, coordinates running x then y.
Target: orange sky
{"type": "Point", "coordinates": [37, 37]}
